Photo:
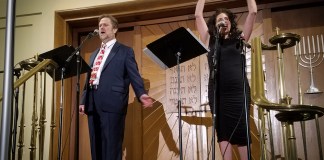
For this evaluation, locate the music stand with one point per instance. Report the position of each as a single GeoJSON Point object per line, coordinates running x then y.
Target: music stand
{"type": "Point", "coordinates": [166, 52]}
{"type": "Point", "coordinates": [59, 55]}
{"type": "Point", "coordinates": [68, 69]}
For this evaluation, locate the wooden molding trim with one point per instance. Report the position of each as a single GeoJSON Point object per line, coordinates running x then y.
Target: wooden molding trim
{"type": "Point", "coordinates": [134, 11]}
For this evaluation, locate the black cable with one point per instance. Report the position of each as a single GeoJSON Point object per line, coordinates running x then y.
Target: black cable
{"type": "Point", "coordinates": [77, 53]}
{"type": "Point", "coordinates": [230, 136]}
{"type": "Point", "coordinates": [238, 122]}
{"type": "Point", "coordinates": [71, 121]}
{"type": "Point", "coordinates": [69, 131]}
{"type": "Point", "coordinates": [246, 105]}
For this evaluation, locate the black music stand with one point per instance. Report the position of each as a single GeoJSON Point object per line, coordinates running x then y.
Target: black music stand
{"type": "Point", "coordinates": [69, 64]}
{"type": "Point", "coordinates": [60, 55]}
{"type": "Point", "coordinates": [180, 44]}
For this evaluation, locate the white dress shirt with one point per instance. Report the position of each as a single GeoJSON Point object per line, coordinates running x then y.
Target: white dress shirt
{"type": "Point", "coordinates": [109, 46]}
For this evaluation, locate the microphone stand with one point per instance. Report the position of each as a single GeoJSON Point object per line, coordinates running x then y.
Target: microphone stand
{"type": "Point", "coordinates": [61, 114]}
{"type": "Point", "coordinates": [77, 53]}
{"type": "Point", "coordinates": [179, 106]}
{"type": "Point", "coordinates": [214, 73]}
{"type": "Point", "coordinates": [244, 46]}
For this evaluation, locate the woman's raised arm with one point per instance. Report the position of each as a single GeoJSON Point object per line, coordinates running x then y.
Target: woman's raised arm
{"type": "Point", "coordinates": [248, 26]}
{"type": "Point", "coordinates": [200, 22]}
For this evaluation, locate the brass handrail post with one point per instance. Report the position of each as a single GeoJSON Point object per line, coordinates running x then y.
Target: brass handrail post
{"type": "Point", "coordinates": [33, 136]}
{"type": "Point", "coordinates": [22, 125]}
{"type": "Point", "coordinates": [53, 125]}
{"type": "Point", "coordinates": [42, 119]}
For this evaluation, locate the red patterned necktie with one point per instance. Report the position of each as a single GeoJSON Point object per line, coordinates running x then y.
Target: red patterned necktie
{"type": "Point", "coordinates": [96, 64]}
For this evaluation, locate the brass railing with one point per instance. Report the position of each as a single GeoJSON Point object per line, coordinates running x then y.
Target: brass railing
{"type": "Point", "coordinates": [37, 74]}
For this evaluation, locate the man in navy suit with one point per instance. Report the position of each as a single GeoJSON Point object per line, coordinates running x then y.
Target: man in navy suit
{"type": "Point", "coordinates": [106, 91]}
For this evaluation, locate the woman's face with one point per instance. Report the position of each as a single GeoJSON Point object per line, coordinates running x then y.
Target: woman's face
{"type": "Point", "coordinates": [223, 18]}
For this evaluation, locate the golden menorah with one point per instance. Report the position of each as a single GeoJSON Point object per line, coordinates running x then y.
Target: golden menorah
{"type": "Point", "coordinates": [287, 113]}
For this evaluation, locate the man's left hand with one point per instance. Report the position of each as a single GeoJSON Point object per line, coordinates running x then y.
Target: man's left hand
{"type": "Point", "coordinates": [146, 101]}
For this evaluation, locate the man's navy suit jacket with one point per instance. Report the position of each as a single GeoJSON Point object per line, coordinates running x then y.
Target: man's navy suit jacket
{"type": "Point", "coordinates": [119, 71]}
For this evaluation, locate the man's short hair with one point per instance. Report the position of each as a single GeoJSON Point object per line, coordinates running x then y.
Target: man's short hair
{"type": "Point", "coordinates": [112, 19]}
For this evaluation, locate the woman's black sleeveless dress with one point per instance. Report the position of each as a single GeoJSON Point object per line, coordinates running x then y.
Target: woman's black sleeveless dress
{"type": "Point", "coordinates": [230, 99]}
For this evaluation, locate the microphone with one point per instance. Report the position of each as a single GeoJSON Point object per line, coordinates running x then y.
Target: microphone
{"type": "Point", "coordinates": [94, 33]}
{"type": "Point", "coordinates": [243, 42]}
{"type": "Point", "coordinates": [246, 44]}
{"type": "Point", "coordinates": [242, 45]}
{"type": "Point", "coordinates": [221, 24]}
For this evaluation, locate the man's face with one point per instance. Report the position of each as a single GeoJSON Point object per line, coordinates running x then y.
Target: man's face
{"type": "Point", "coordinates": [106, 30]}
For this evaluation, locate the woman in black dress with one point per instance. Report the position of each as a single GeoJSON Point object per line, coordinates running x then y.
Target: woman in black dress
{"type": "Point", "coordinates": [230, 97]}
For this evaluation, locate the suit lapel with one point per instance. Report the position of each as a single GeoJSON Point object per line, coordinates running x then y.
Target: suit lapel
{"type": "Point", "coordinates": [111, 54]}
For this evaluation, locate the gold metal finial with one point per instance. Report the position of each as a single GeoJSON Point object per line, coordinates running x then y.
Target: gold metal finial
{"type": "Point", "coordinates": [286, 100]}
{"type": "Point", "coordinates": [277, 30]}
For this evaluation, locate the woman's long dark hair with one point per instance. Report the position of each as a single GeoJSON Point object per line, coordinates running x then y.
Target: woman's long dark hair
{"type": "Point", "coordinates": [211, 23]}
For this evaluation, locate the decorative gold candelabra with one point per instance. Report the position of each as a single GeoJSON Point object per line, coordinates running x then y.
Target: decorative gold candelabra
{"type": "Point", "coordinates": [288, 113]}
{"type": "Point", "coordinates": [310, 59]}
